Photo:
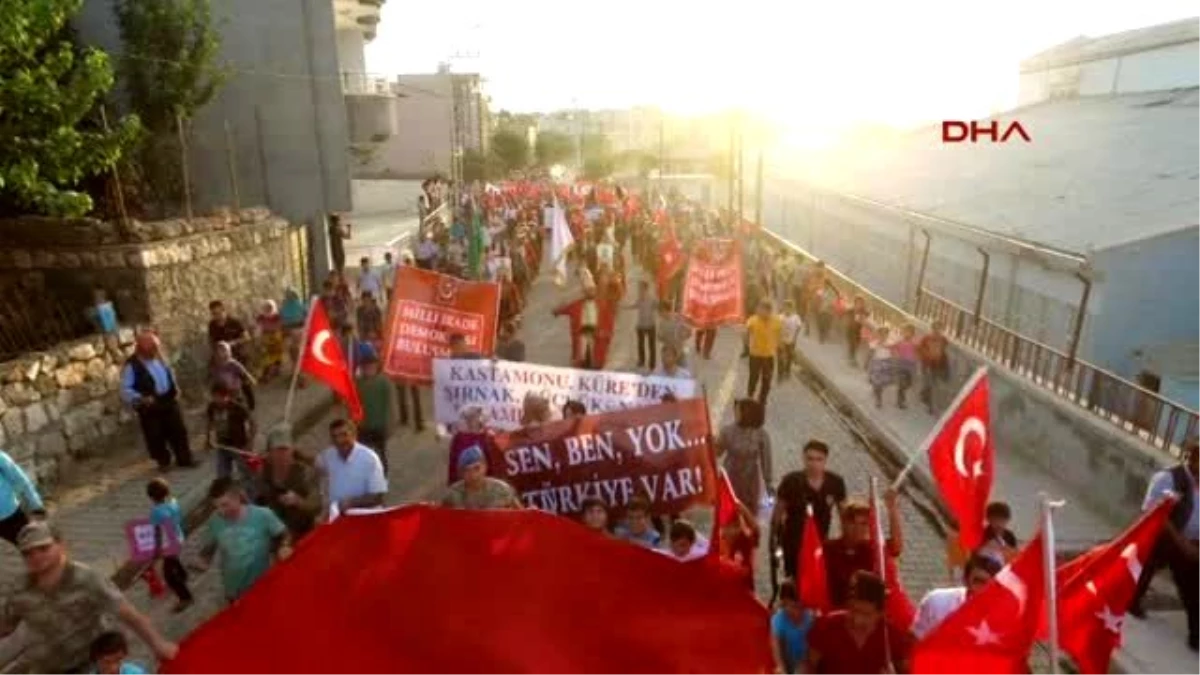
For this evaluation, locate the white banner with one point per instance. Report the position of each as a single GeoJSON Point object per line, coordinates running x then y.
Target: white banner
{"type": "Point", "coordinates": [499, 387]}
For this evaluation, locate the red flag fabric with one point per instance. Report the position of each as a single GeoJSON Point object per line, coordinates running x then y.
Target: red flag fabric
{"type": "Point", "coordinates": [670, 260]}
{"type": "Point", "coordinates": [961, 459]}
{"type": "Point", "coordinates": [814, 582]}
{"type": "Point", "coordinates": [1093, 598]}
{"type": "Point", "coordinates": [898, 606]}
{"type": "Point", "coordinates": [726, 511]}
{"type": "Point", "coordinates": [422, 589]}
{"type": "Point", "coordinates": [324, 360]}
{"type": "Point", "coordinates": [606, 316]}
{"type": "Point", "coordinates": [993, 631]}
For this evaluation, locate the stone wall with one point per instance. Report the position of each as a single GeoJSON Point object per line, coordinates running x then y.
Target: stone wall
{"type": "Point", "coordinates": [161, 274]}
{"type": "Point", "coordinates": [62, 404]}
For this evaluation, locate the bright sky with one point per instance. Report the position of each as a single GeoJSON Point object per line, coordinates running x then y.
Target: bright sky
{"type": "Point", "coordinates": [815, 66]}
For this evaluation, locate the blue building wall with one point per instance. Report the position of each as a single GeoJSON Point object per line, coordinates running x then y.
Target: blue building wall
{"type": "Point", "coordinates": [283, 103]}
{"type": "Point", "coordinates": [1150, 301]}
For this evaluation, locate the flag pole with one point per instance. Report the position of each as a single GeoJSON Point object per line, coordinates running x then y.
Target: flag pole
{"type": "Point", "coordinates": [880, 552]}
{"type": "Point", "coordinates": [979, 374]}
{"type": "Point", "coordinates": [291, 395]}
{"type": "Point", "coordinates": [1048, 563]}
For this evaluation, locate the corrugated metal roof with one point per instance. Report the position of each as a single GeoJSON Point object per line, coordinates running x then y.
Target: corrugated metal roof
{"type": "Point", "coordinates": [1100, 171]}
{"type": "Point", "coordinates": [1083, 48]}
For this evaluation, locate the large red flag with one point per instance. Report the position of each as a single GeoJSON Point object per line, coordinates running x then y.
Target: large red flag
{"type": "Point", "coordinates": [1093, 596]}
{"type": "Point", "coordinates": [993, 631]}
{"type": "Point", "coordinates": [898, 606]}
{"type": "Point", "coordinates": [814, 581]}
{"type": "Point", "coordinates": [961, 458]}
{"type": "Point", "coordinates": [423, 589]}
{"type": "Point", "coordinates": [323, 359]}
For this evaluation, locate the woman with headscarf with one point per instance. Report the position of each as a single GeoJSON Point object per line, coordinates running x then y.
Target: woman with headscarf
{"type": "Point", "coordinates": [472, 433]}
{"type": "Point", "coordinates": [271, 333]}
{"type": "Point", "coordinates": [745, 448]}
{"type": "Point", "coordinates": [233, 374]}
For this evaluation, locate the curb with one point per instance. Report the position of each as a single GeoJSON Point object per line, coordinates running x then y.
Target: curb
{"type": "Point", "coordinates": [194, 502]}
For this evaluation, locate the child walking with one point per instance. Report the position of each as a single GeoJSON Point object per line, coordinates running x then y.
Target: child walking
{"type": "Point", "coordinates": [165, 516]}
{"type": "Point", "coordinates": [110, 654]}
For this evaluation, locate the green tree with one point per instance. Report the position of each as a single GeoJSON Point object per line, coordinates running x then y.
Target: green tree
{"type": "Point", "coordinates": [511, 148]}
{"type": "Point", "coordinates": [553, 147]}
{"type": "Point", "coordinates": [477, 166]}
{"type": "Point", "coordinates": [169, 71]}
{"type": "Point", "coordinates": [49, 127]}
{"type": "Point", "coordinates": [598, 160]}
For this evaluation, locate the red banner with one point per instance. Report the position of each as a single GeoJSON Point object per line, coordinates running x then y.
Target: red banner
{"type": "Point", "coordinates": [712, 289]}
{"type": "Point", "coordinates": [659, 452]}
{"type": "Point", "coordinates": [426, 309]}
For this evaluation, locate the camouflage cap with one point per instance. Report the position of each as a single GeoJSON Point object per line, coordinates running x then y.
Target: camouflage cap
{"type": "Point", "coordinates": [35, 534]}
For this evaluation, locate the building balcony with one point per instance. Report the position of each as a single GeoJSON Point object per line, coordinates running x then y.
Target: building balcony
{"type": "Point", "coordinates": [370, 107]}
{"type": "Point", "coordinates": [358, 14]}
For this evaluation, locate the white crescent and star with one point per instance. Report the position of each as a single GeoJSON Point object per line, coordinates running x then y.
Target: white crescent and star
{"type": "Point", "coordinates": [1112, 622]}
{"type": "Point", "coordinates": [318, 348]}
{"type": "Point", "coordinates": [971, 425]}
{"type": "Point", "coordinates": [1132, 562]}
{"type": "Point", "coordinates": [1015, 585]}
{"type": "Point", "coordinates": [983, 634]}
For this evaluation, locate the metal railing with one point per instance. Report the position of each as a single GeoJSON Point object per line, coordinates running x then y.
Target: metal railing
{"type": "Point", "coordinates": [1129, 406]}
{"type": "Point", "coordinates": [1134, 409]}
{"type": "Point", "coordinates": [368, 84]}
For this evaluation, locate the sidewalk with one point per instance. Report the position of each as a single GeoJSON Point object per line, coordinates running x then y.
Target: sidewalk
{"type": "Point", "coordinates": [1017, 482]}
{"type": "Point", "coordinates": [92, 520]}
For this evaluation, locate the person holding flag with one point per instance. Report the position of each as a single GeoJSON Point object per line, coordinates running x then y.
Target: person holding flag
{"type": "Point", "coordinates": [853, 552]}
{"type": "Point", "coordinates": [858, 639]}
{"type": "Point", "coordinates": [940, 603]}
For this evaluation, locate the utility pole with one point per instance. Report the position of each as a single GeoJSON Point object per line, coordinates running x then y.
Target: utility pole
{"type": "Point", "coordinates": [758, 187]}
{"type": "Point", "coordinates": [741, 175]}
{"type": "Point", "coordinates": [662, 150]}
{"type": "Point", "coordinates": [732, 166]}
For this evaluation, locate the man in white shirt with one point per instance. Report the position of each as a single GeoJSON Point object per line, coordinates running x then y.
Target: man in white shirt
{"type": "Point", "coordinates": [352, 472]}
{"type": "Point", "coordinates": [1176, 547]}
{"type": "Point", "coordinates": [942, 602]}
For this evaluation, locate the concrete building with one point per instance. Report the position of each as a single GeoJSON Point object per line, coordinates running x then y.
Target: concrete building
{"type": "Point", "coordinates": [1156, 58]}
{"type": "Point", "coordinates": [435, 107]}
{"type": "Point", "coordinates": [1104, 193]}
{"type": "Point", "coordinates": [294, 110]}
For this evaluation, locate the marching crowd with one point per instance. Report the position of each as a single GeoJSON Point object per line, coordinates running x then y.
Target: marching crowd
{"type": "Point", "coordinates": [262, 505]}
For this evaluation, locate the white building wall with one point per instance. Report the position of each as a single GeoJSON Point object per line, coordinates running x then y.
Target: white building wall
{"type": "Point", "coordinates": [1171, 67]}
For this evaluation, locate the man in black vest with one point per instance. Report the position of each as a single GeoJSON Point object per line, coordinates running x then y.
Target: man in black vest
{"type": "Point", "coordinates": [148, 385]}
{"type": "Point", "coordinates": [1177, 547]}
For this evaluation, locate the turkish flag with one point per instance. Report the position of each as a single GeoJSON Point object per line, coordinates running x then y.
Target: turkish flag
{"type": "Point", "coordinates": [1093, 595]}
{"type": "Point", "coordinates": [323, 359]}
{"type": "Point", "coordinates": [726, 510]}
{"type": "Point", "coordinates": [670, 260]}
{"type": "Point", "coordinates": [422, 589]}
{"type": "Point", "coordinates": [961, 458]}
{"type": "Point", "coordinates": [993, 631]}
{"type": "Point", "coordinates": [813, 582]}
